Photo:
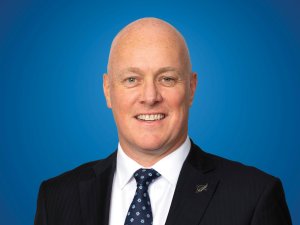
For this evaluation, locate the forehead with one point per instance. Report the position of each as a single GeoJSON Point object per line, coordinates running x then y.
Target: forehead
{"type": "Point", "coordinates": [148, 54]}
{"type": "Point", "coordinates": [136, 70]}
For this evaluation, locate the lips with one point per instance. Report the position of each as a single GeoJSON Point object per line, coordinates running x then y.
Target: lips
{"type": "Point", "coordinates": [150, 117]}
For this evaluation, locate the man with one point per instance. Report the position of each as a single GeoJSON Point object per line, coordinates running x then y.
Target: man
{"type": "Point", "coordinates": [158, 175]}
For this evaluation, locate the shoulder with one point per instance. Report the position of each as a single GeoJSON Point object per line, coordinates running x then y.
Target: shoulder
{"type": "Point", "coordinates": [233, 168]}
{"type": "Point", "coordinates": [74, 176]}
{"type": "Point", "coordinates": [232, 172]}
{"type": "Point", "coordinates": [245, 190]}
{"type": "Point", "coordinates": [237, 182]}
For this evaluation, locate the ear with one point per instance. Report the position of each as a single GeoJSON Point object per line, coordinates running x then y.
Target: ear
{"type": "Point", "coordinates": [193, 85]}
{"type": "Point", "coordinates": [106, 89]}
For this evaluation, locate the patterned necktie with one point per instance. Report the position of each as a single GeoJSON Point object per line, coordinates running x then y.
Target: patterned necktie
{"type": "Point", "coordinates": [140, 209]}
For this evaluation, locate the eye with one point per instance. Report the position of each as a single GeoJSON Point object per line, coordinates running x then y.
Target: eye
{"type": "Point", "coordinates": [130, 81]}
{"type": "Point", "coordinates": [168, 81]}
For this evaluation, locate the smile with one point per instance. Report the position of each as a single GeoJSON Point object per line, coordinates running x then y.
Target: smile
{"type": "Point", "coordinates": [150, 117]}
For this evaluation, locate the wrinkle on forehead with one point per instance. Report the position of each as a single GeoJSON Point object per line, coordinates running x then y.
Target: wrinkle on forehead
{"type": "Point", "coordinates": [148, 31]}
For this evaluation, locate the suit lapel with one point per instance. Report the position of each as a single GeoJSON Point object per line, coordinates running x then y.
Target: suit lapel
{"type": "Point", "coordinates": [195, 188]}
{"type": "Point", "coordinates": [95, 193]}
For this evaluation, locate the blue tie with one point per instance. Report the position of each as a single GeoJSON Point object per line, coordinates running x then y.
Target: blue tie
{"type": "Point", "coordinates": [140, 209]}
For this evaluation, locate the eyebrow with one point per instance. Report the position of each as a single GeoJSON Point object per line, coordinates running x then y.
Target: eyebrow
{"type": "Point", "coordinates": [160, 70]}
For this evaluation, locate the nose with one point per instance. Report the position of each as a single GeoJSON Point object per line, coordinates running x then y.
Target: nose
{"type": "Point", "coordinates": [150, 93]}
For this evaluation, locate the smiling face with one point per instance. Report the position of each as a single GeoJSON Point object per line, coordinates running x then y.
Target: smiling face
{"type": "Point", "coordinates": [149, 88]}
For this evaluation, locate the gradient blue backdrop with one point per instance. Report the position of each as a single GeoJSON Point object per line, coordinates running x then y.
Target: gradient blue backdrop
{"type": "Point", "coordinates": [53, 113]}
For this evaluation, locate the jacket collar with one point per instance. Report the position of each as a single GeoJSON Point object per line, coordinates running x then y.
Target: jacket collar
{"type": "Point", "coordinates": [95, 192]}
{"type": "Point", "coordinates": [195, 189]}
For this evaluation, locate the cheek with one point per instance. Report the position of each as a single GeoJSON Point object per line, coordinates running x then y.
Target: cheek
{"type": "Point", "coordinates": [178, 99]}
{"type": "Point", "coordinates": [122, 100]}
{"type": "Point", "coordinates": [179, 104]}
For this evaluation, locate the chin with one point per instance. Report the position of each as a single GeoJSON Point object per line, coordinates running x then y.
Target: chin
{"type": "Point", "coordinates": [151, 146]}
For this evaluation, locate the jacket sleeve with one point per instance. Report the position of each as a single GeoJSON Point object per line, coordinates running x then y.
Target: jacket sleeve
{"type": "Point", "coordinates": [41, 214]}
{"type": "Point", "coordinates": [271, 208]}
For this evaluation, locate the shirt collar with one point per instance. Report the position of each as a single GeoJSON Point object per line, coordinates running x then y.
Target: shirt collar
{"type": "Point", "coordinates": [169, 167]}
{"type": "Point", "coordinates": [125, 167]}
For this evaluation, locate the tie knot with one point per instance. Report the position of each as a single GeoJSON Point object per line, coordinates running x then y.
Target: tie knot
{"type": "Point", "coordinates": [144, 177]}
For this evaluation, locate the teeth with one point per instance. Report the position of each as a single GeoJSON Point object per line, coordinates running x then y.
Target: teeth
{"type": "Point", "coordinates": [151, 117]}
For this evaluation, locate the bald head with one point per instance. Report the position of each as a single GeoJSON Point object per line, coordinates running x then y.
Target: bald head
{"type": "Point", "coordinates": [150, 88]}
{"type": "Point", "coordinates": [144, 33]}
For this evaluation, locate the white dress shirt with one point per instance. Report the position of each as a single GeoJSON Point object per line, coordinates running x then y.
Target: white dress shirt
{"type": "Point", "coordinates": [161, 191]}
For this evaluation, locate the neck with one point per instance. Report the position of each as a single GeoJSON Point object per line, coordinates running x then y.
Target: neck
{"type": "Point", "coordinates": [148, 157]}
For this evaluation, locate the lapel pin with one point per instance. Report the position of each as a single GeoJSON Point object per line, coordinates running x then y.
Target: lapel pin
{"type": "Point", "coordinates": [201, 188]}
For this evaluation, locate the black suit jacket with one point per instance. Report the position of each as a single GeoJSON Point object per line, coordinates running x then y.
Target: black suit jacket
{"type": "Point", "coordinates": [210, 191]}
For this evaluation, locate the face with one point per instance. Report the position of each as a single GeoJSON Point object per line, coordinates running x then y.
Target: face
{"type": "Point", "coordinates": [150, 89]}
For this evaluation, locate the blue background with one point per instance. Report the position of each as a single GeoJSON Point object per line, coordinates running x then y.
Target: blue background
{"type": "Point", "coordinates": [53, 113]}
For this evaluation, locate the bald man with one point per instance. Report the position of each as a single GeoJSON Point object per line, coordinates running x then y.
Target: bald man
{"type": "Point", "coordinates": [158, 175]}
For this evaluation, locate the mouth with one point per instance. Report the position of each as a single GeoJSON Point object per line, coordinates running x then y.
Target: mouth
{"type": "Point", "coordinates": [150, 117]}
